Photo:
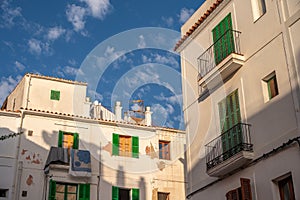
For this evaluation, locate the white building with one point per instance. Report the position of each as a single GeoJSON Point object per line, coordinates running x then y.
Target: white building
{"type": "Point", "coordinates": [51, 148]}
{"type": "Point", "coordinates": [240, 63]}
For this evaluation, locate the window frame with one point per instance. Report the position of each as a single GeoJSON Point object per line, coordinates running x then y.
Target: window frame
{"type": "Point", "coordinates": [164, 155]}
{"type": "Point", "coordinates": [164, 193]}
{"type": "Point", "coordinates": [61, 139]}
{"type": "Point", "coordinates": [55, 95]}
{"type": "Point", "coordinates": [259, 9]}
{"type": "Point", "coordinates": [116, 145]}
{"type": "Point", "coordinates": [268, 88]}
{"type": "Point", "coordinates": [4, 191]}
{"type": "Point", "coordinates": [281, 183]}
{"type": "Point", "coordinates": [134, 193]}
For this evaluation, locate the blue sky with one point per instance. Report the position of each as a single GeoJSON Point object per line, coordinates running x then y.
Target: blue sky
{"type": "Point", "coordinates": [53, 38]}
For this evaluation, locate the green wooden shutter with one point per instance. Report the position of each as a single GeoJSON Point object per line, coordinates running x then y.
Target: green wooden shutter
{"type": "Point", "coordinates": [230, 116]}
{"type": "Point", "coordinates": [223, 39]}
{"type": "Point", "coordinates": [135, 146]}
{"type": "Point", "coordinates": [52, 190]}
{"type": "Point", "coordinates": [60, 138]}
{"type": "Point", "coordinates": [84, 191]}
{"type": "Point", "coordinates": [115, 148]}
{"type": "Point", "coordinates": [75, 140]}
{"type": "Point", "coordinates": [115, 193]}
{"type": "Point", "coordinates": [135, 194]}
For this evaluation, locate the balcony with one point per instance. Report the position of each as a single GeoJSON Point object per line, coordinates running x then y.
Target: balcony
{"type": "Point", "coordinates": [231, 150]}
{"type": "Point", "coordinates": [220, 60]}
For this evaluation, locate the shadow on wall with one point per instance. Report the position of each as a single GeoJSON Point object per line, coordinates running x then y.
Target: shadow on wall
{"type": "Point", "coordinates": [266, 123]}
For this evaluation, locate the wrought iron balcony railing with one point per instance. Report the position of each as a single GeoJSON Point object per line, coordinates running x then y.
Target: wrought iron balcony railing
{"type": "Point", "coordinates": [227, 44]}
{"type": "Point", "coordinates": [228, 144]}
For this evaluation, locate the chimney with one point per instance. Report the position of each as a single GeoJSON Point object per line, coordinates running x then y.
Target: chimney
{"type": "Point", "coordinates": [118, 111]}
{"type": "Point", "coordinates": [148, 113]}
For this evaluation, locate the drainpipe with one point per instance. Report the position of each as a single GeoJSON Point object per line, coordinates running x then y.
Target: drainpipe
{"type": "Point", "coordinates": [18, 165]}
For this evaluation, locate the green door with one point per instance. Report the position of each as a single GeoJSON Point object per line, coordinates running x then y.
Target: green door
{"type": "Point", "coordinates": [230, 117]}
{"type": "Point", "coordinates": [223, 39]}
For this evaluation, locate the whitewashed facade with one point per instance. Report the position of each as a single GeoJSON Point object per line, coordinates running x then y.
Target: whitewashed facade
{"type": "Point", "coordinates": [47, 112]}
{"type": "Point", "coordinates": [241, 77]}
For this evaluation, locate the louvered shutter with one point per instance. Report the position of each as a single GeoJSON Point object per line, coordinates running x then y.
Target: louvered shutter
{"type": "Point", "coordinates": [60, 138]}
{"type": "Point", "coordinates": [84, 191]}
{"type": "Point", "coordinates": [115, 147]}
{"type": "Point", "coordinates": [115, 193]}
{"type": "Point", "coordinates": [246, 189]}
{"type": "Point", "coordinates": [135, 146]}
{"type": "Point", "coordinates": [75, 140]}
{"type": "Point", "coordinates": [52, 190]}
{"type": "Point", "coordinates": [135, 194]}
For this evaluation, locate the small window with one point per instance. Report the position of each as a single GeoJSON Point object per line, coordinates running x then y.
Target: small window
{"type": "Point", "coordinates": [127, 146]}
{"type": "Point", "coordinates": [242, 193]}
{"type": "Point", "coordinates": [58, 190]}
{"type": "Point", "coordinates": [164, 150]}
{"type": "Point", "coordinates": [286, 189]}
{"type": "Point", "coordinates": [163, 196]}
{"type": "Point", "coordinates": [3, 192]}
{"type": "Point", "coordinates": [68, 140]}
{"type": "Point", "coordinates": [55, 95]}
{"type": "Point", "coordinates": [270, 86]}
{"type": "Point", "coordinates": [258, 8]}
{"type": "Point", "coordinates": [125, 194]}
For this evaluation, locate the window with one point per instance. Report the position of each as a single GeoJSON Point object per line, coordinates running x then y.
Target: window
{"type": "Point", "coordinates": [286, 189]}
{"type": "Point", "coordinates": [55, 95]}
{"type": "Point", "coordinates": [164, 150]}
{"type": "Point", "coordinates": [3, 192]}
{"type": "Point", "coordinates": [68, 140]}
{"type": "Point", "coordinates": [230, 117]}
{"type": "Point", "coordinates": [163, 196]}
{"type": "Point", "coordinates": [241, 193]}
{"type": "Point", "coordinates": [125, 194]}
{"type": "Point", "coordinates": [270, 86]}
{"type": "Point", "coordinates": [223, 39]}
{"type": "Point", "coordinates": [258, 8]}
{"type": "Point", "coordinates": [127, 146]}
{"type": "Point", "coordinates": [62, 191]}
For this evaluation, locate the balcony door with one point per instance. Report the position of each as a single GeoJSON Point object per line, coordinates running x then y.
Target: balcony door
{"type": "Point", "coordinates": [230, 117]}
{"type": "Point", "coordinates": [223, 39]}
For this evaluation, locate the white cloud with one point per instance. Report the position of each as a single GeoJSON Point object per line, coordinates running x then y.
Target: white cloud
{"type": "Point", "coordinates": [68, 71]}
{"type": "Point", "coordinates": [146, 59]}
{"type": "Point", "coordinates": [142, 43]}
{"type": "Point", "coordinates": [55, 32]}
{"type": "Point", "coordinates": [75, 15]}
{"type": "Point", "coordinates": [161, 115]}
{"type": "Point", "coordinates": [37, 47]}
{"type": "Point", "coordinates": [168, 20]}
{"type": "Point", "coordinates": [95, 95]}
{"type": "Point", "coordinates": [9, 14]}
{"type": "Point", "coordinates": [169, 60]}
{"type": "Point", "coordinates": [7, 84]}
{"type": "Point", "coordinates": [98, 8]}
{"type": "Point", "coordinates": [72, 62]}
{"type": "Point", "coordinates": [185, 13]}
{"type": "Point", "coordinates": [170, 99]}
{"type": "Point", "coordinates": [95, 8]}
{"type": "Point", "coordinates": [19, 66]}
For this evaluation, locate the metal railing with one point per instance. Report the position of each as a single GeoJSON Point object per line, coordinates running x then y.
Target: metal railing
{"type": "Point", "coordinates": [228, 144]}
{"type": "Point", "coordinates": [228, 43]}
